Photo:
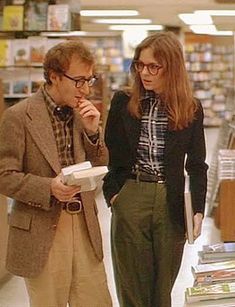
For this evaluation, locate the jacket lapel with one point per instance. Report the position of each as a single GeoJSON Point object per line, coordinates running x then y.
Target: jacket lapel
{"type": "Point", "coordinates": [39, 126]}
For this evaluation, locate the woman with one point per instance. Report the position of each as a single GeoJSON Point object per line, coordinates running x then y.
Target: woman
{"type": "Point", "coordinates": [153, 135]}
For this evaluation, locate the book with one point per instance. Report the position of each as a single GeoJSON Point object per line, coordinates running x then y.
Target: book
{"type": "Point", "coordinates": [37, 50]}
{"type": "Point", "coordinates": [84, 175]}
{"type": "Point", "coordinates": [13, 17]}
{"type": "Point", "coordinates": [219, 250]}
{"type": "Point", "coordinates": [188, 211]}
{"type": "Point", "coordinates": [202, 259]}
{"type": "Point", "coordinates": [209, 292]}
{"type": "Point", "coordinates": [216, 276]}
{"type": "Point", "coordinates": [203, 269]}
{"type": "Point", "coordinates": [20, 52]}
{"type": "Point", "coordinates": [36, 15]}
{"type": "Point", "coordinates": [58, 17]}
{"type": "Point", "coordinates": [5, 52]}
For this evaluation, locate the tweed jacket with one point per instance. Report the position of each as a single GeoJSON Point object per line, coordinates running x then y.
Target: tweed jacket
{"type": "Point", "coordinates": [184, 149]}
{"type": "Point", "coordinates": [28, 162]}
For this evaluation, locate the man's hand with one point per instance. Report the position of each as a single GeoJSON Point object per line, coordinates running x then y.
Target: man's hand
{"type": "Point", "coordinates": [90, 116]}
{"type": "Point", "coordinates": [197, 222]}
{"type": "Point", "coordinates": [61, 191]}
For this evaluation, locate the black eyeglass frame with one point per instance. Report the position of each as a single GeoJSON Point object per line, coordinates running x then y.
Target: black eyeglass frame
{"type": "Point", "coordinates": [81, 81]}
{"type": "Point", "coordinates": [157, 66]}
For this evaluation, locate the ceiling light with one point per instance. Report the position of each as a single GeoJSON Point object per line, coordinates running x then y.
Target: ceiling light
{"type": "Point", "coordinates": [196, 19]}
{"type": "Point", "coordinates": [109, 13]}
{"type": "Point", "coordinates": [203, 29]}
{"type": "Point", "coordinates": [123, 21]}
{"type": "Point", "coordinates": [217, 12]}
{"type": "Point", "coordinates": [136, 27]}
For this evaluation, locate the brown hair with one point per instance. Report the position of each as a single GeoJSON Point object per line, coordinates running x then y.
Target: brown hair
{"type": "Point", "coordinates": [177, 93]}
{"type": "Point", "coordinates": [58, 58]}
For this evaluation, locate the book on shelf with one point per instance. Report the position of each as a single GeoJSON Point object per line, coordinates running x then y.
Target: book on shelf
{"type": "Point", "coordinates": [37, 50]}
{"type": "Point", "coordinates": [83, 174]}
{"type": "Point", "coordinates": [13, 17]}
{"type": "Point", "coordinates": [58, 17]}
{"type": "Point", "coordinates": [188, 211]}
{"type": "Point", "coordinates": [206, 268]}
{"type": "Point", "coordinates": [35, 15]}
{"type": "Point", "coordinates": [20, 52]}
{"type": "Point", "coordinates": [36, 80]}
{"type": "Point", "coordinates": [5, 52]}
{"type": "Point", "coordinates": [210, 292]}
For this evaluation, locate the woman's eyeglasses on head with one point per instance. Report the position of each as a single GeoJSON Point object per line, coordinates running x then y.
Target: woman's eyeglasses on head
{"type": "Point", "coordinates": [152, 68]}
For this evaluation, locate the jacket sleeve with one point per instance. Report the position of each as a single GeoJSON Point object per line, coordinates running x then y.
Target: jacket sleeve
{"type": "Point", "coordinates": [196, 165]}
{"type": "Point", "coordinates": [15, 183]}
{"type": "Point", "coordinates": [115, 178]}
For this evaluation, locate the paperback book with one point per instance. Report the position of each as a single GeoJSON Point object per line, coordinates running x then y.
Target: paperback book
{"type": "Point", "coordinates": [219, 250]}
{"type": "Point", "coordinates": [209, 292]}
{"type": "Point", "coordinates": [188, 211]}
{"type": "Point", "coordinates": [13, 17]}
{"type": "Point", "coordinates": [206, 268]}
{"type": "Point", "coordinates": [84, 175]}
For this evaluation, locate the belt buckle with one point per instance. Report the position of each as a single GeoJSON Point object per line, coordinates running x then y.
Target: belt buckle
{"type": "Point", "coordinates": [73, 203]}
{"type": "Point", "coordinates": [160, 179]}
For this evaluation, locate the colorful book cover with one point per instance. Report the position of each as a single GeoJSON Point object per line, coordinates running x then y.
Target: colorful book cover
{"type": "Point", "coordinates": [37, 50]}
{"type": "Point", "coordinates": [36, 16]}
{"type": "Point", "coordinates": [13, 17]}
{"type": "Point", "coordinates": [215, 291]}
{"type": "Point", "coordinates": [206, 268]}
{"type": "Point", "coordinates": [20, 52]}
{"type": "Point", "coordinates": [5, 52]}
{"type": "Point", "coordinates": [58, 17]}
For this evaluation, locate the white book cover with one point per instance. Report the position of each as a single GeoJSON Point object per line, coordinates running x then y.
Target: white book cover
{"type": "Point", "coordinates": [58, 17]}
{"type": "Point", "coordinates": [84, 175]}
{"type": "Point", "coordinates": [188, 211]}
{"type": "Point", "coordinates": [20, 52]}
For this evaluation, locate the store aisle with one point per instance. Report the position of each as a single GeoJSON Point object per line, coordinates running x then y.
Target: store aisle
{"type": "Point", "coordinates": [13, 292]}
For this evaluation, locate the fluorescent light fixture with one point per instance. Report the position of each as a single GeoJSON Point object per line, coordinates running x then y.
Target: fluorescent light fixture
{"type": "Point", "coordinates": [196, 19]}
{"type": "Point", "coordinates": [209, 29]}
{"type": "Point", "coordinates": [203, 29]}
{"type": "Point", "coordinates": [217, 12]}
{"type": "Point", "coordinates": [109, 13]}
{"type": "Point", "coordinates": [123, 21]}
{"type": "Point", "coordinates": [136, 27]}
{"type": "Point", "coordinates": [76, 33]}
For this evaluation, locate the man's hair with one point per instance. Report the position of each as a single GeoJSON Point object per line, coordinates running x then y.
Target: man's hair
{"type": "Point", "coordinates": [58, 58]}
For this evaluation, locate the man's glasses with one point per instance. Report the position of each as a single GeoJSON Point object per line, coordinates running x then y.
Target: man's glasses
{"type": "Point", "coordinates": [81, 81]}
{"type": "Point", "coordinates": [152, 68]}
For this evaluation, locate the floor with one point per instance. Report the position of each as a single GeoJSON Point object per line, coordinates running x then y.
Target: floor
{"type": "Point", "coordinates": [13, 292]}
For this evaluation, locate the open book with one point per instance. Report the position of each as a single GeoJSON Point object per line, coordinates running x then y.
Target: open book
{"type": "Point", "coordinates": [188, 211]}
{"type": "Point", "coordinates": [84, 175]}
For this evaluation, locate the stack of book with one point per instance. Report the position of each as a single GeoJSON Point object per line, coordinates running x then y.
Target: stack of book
{"type": "Point", "coordinates": [214, 277]}
{"type": "Point", "coordinates": [226, 165]}
{"type": "Point", "coordinates": [217, 252]}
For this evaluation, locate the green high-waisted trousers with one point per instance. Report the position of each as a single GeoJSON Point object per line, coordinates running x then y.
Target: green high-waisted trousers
{"type": "Point", "coordinates": [146, 247]}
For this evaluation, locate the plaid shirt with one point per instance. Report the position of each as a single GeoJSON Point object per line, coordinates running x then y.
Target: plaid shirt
{"type": "Point", "coordinates": [63, 131]}
{"type": "Point", "coordinates": [154, 123]}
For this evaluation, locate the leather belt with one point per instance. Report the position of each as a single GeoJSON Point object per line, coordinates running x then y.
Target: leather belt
{"type": "Point", "coordinates": [145, 177]}
{"type": "Point", "coordinates": [73, 206]}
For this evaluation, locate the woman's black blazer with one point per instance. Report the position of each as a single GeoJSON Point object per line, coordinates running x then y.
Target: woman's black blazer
{"type": "Point", "coordinates": [183, 149]}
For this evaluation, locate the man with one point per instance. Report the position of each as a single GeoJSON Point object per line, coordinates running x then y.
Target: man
{"type": "Point", "coordinates": [54, 238]}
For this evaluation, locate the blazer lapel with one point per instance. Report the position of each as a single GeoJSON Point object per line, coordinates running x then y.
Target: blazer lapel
{"type": "Point", "coordinates": [39, 126]}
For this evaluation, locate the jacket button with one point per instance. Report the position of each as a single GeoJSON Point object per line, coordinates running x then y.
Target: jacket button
{"type": "Point", "coordinates": [54, 226]}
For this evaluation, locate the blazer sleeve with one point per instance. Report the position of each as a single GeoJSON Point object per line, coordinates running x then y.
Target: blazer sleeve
{"type": "Point", "coordinates": [115, 178]}
{"type": "Point", "coordinates": [195, 163]}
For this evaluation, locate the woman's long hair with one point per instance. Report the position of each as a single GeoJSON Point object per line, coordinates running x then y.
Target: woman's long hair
{"type": "Point", "coordinates": [177, 93]}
